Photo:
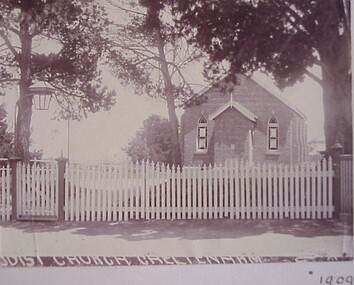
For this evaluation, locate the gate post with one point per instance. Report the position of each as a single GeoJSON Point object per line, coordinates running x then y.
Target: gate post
{"type": "Point", "coordinates": [13, 165]}
{"type": "Point", "coordinates": [337, 150]}
{"type": "Point", "coordinates": [61, 186]}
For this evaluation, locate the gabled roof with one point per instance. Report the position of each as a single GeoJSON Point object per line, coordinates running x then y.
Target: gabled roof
{"type": "Point", "coordinates": [271, 91]}
{"type": "Point", "coordinates": [239, 107]}
{"type": "Point", "coordinates": [278, 95]}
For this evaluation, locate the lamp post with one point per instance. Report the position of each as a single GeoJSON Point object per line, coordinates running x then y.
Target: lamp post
{"type": "Point", "coordinates": [42, 95]}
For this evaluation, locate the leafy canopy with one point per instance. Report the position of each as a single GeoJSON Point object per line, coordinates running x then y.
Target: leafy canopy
{"type": "Point", "coordinates": [66, 40]}
{"type": "Point", "coordinates": [6, 137]}
{"type": "Point", "coordinates": [151, 142]}
{"type": "Point", "coordinates": [282, 38]}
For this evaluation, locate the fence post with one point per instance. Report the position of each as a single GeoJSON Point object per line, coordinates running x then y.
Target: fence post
{"type": "Point", "coordinates": [337, 150]}
{"type": "Point", "coordinates": [61, 186]}
{"type": "Point", "coordinates": [13, 165]}
{"type": "Point", "coordinates": [346, 181]}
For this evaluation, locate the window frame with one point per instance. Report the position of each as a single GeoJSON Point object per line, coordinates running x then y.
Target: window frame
{"type": "Point", "coordinates": [273, 126]}
{"type": "Point", "coordinates": [202, 140]}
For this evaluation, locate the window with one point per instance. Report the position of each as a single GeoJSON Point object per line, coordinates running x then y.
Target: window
{"type": "Point", "coordinates": [202, 139]}
{"type": "Point", "coordinates": [273, 134]}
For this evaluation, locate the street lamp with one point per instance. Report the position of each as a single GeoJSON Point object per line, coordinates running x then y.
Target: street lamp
{"type": "Point", "coordinates": [42, 95]}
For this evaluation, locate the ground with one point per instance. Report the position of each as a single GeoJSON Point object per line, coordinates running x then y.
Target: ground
{"type": "Point", "coordinates": [300, 238]}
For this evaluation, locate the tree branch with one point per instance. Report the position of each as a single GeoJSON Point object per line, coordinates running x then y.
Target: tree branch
{"type": "Point", "coordinates": [8, 43]}
{"type": "Point", "coordinates": [125, 9]}
{"type": "Point", "coordinates": [313, 77]}
{"type": "Point", "coordinates": [64, 92]}
{"type": "Point", "coordinates": [9, 80]}
{"type": "Point", "coordinates": [17, 32]}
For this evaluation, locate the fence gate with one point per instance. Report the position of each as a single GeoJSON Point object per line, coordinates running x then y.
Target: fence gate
{"type": "Point", "coordinates": [37, 191]}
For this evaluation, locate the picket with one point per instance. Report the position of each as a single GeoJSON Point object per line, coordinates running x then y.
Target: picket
{"type": "Point", "coordinates": [324, 185]}
{"type": "Point", "coordinates": [247, 190]}
{"type": "Point", "coordinates": [82, 192]}
{"type": "Point", "coordinates": [308, 200]}
{"type": "Point", "coordinates": [291, 190]}
{"type": "Point", "coordinates": [313, 192]}
{"type": "Point", "coordinates": [8, 206]}
{"type": "Point", "coordinates": [5, 192]}
{"type": "Point", "coordinates": [32, 173]}
{"type": "Point", "coordinates": [319, 190]}
{"type": "Point", "coordinates": [275, 191]}
{"type": "Point", "coordinates": [47, 188]}
{"type": "Point", "coordinates": [132, 189]}
{"type": "Point", "coordinates": [238, 180]}
{"type": "Point", "coordinates": [24, 191]}
{"type": "Point", "coordinates": [204, 193]}
{"type": "Point", "coordinates": [215, 192]}
{"type": "Point", "coordinates": [281, 193]}
{"type": "Point", "coordinates": [302, 190]}
{"type": "Point", "coordinates": [297, 192]}
{"type": "Point", "coordinates": [3, 174]}
{"type": "Point", "coordinates": [178, 193]}
{"type": "Point", "coordinates": [242, 190]}
{"type": "Point", "coordinates": [189, 193]}
{"type": "Point", "coordinates": [286, 192]}
{"type": "Point", "coordinates": [253, 193]}
{"type": "Point", "coordinates": [210, 192]}
{"type": "Point", "coordinates": [330, 187]}
{"type": "Point", "coordinates": [270, 196]}
{"type": "Point", "coordinates": [141, 190]}
{"type": "Point", "coordinates": [199, 208]}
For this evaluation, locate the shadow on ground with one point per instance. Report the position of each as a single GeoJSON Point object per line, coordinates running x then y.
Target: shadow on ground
{"type": "Point", "coordinates": [191, 229]}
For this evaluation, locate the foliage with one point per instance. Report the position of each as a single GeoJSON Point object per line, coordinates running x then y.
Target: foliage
{"type": "Point", "coordinates": [6, 137]}
{"type": "Point", "coordinates": [280, 37]}
{"type": "Point", "coordinates": [283, 39]}
{"type": "Point", "coordinates": [151, 142]}
{"type": "Point", "coordinates": [135, 55]}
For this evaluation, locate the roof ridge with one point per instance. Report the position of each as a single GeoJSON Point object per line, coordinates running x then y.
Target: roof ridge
{"type": "Point", "coordinates": [238, 106]}
{"type": "Point", "coordinates": [275, 93]}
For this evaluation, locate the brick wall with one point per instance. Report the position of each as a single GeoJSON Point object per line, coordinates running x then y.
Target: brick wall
{"type": "Point", "coordinates": [231, 135]}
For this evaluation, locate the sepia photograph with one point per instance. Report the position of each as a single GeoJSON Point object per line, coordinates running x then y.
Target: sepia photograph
{"type": "Point", "coordinates": [176, 133]}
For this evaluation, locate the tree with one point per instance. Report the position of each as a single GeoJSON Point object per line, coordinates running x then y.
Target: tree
{"type": "Point", "coordinates": [283, 38]}
{"type": "Point", "coordinates": [59, 42]}
{"type": "Point", "coordinates": [150, 52]}
{"type": "Point", "coordinates": [6, 137]}
{"type": "Point", "coordinates": [152, 142]}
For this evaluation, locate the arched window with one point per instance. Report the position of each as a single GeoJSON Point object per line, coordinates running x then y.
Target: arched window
{"type": "Point", "coordinates": [273, 134]}
{"type": "Point", "coordinates": [202, 139]}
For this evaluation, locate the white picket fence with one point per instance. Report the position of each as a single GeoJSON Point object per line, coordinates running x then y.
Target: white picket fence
{"type": "Point", "coordinates": [5, 192]}
{"type": "Point", "coordinates": [37, 190]}
{"type": "Point", "coordinates": [235, 190]}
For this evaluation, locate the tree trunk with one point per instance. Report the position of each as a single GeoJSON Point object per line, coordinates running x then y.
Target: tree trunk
{"type": "Point", "coordinates": [337, 102]}
{"type": "Point", "coordinates": [24, 103]}
{"type": "Point", "coordinates": [334, 48]}
{"type": "Point", "coordinates": [171, 107]}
